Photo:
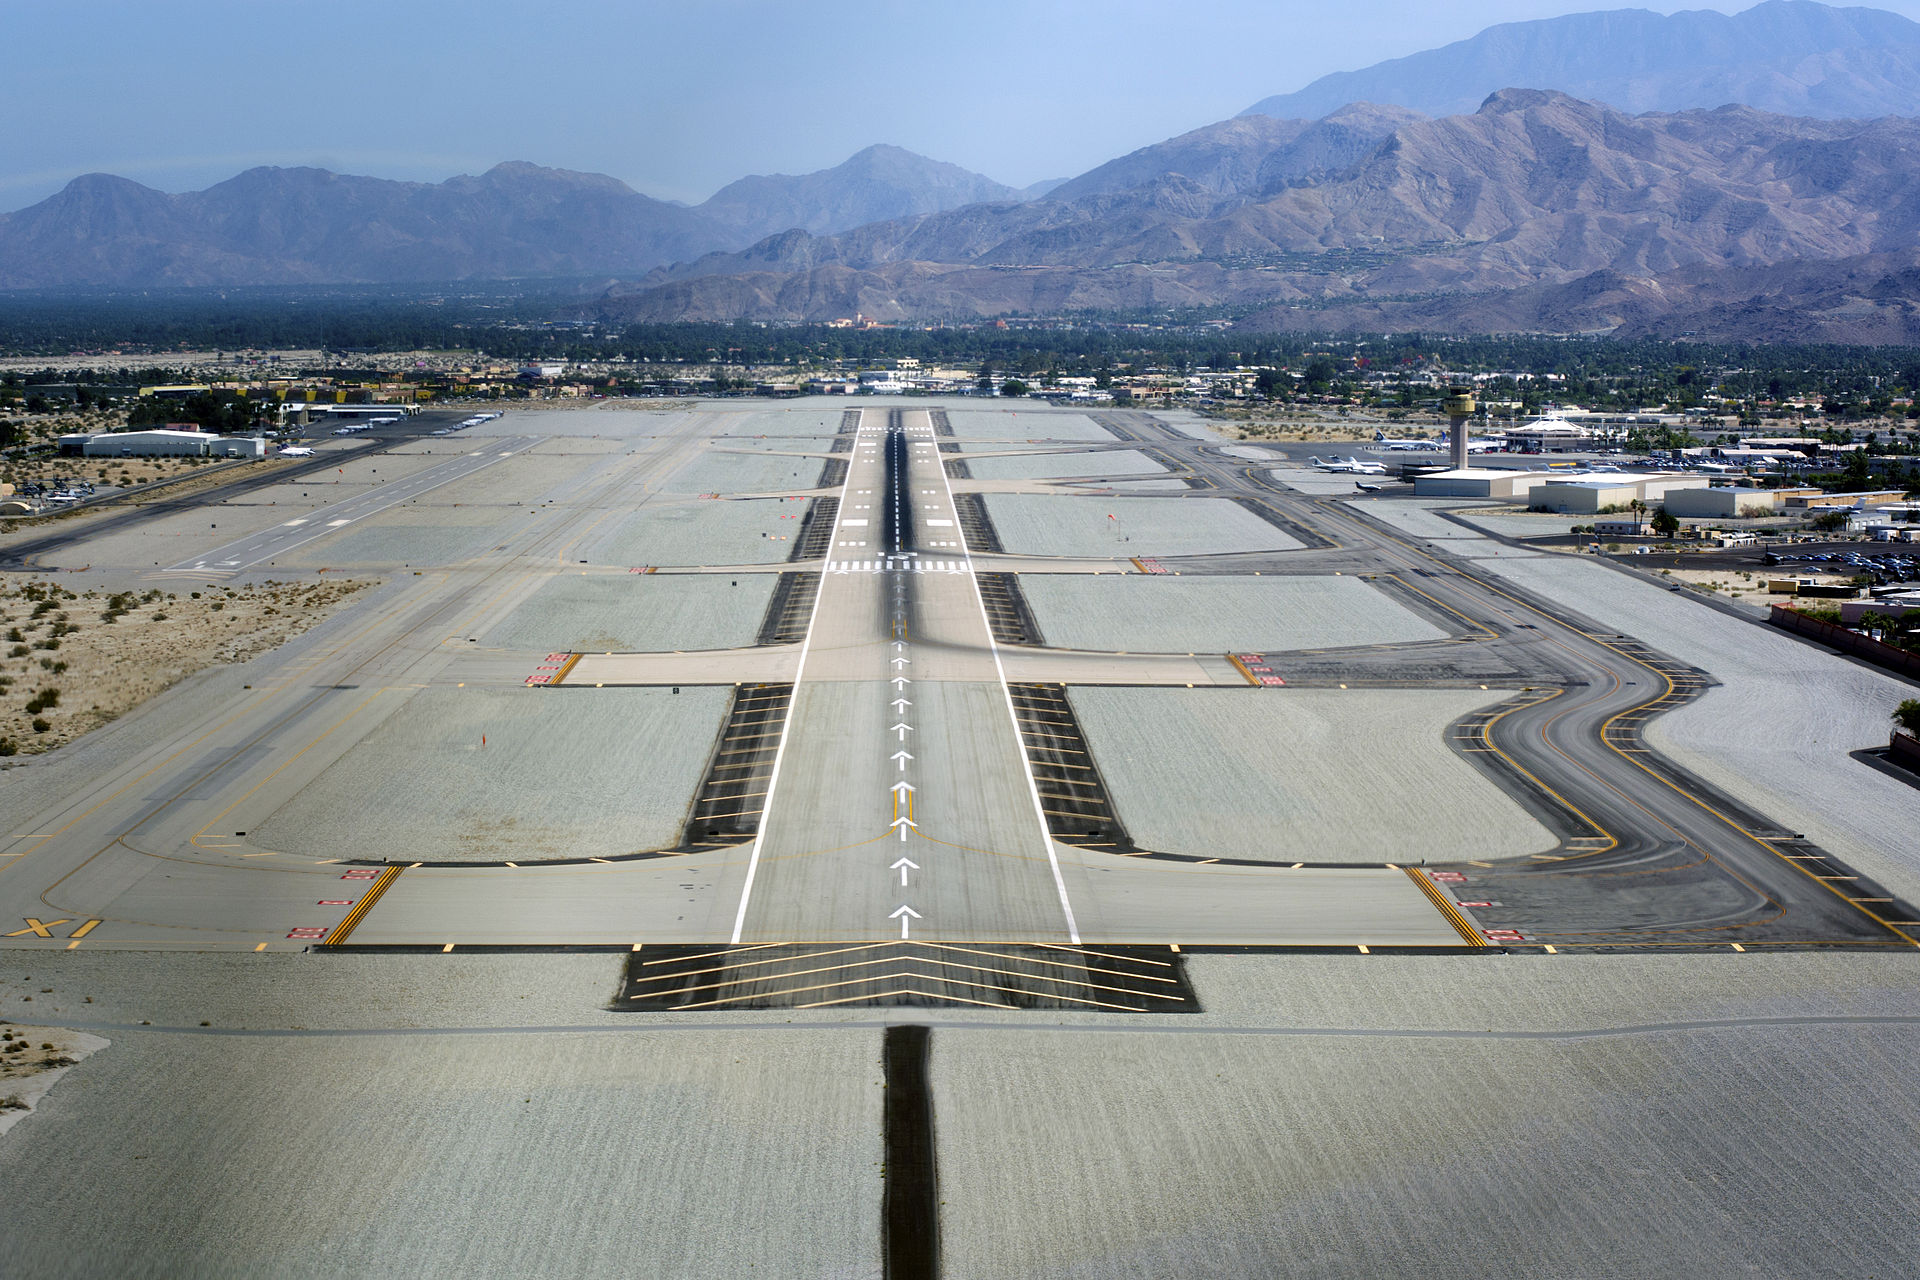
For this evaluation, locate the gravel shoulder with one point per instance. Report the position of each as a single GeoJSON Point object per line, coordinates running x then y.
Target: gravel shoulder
{"type": "Point", "coordinates": [580, 773]}
{"type": "Point", "coordinates": [1081, 526]}
{"type": "Point", "coordinates": [454, 1155]}
{"type": "Point", "coordinates": [1216, 614]}
{"type": "Point", "coordinates": [1300, 775]}
{"type": "Point", "coordinates": [638, 613]}
{"type": "Point", "coordinates": [754, 531]}
{"type": "Point", "coordinates": [1064, 466]}
{"type": "Point", "coordinates": [1711, 1154]}
{"type": "Point", "coordinates": [1038, 423]}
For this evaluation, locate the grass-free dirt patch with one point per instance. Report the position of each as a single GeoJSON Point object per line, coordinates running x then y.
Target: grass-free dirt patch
{"type": "Point", "coordinates": [71, 661]}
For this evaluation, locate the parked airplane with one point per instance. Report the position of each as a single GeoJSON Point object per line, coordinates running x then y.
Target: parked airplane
{"type": "Point", "coordinates": [1350, 466]}
{"type": "Point", "coordinates": [296, 451]}
{"type": "Point", "coordinates": [1364, 487]}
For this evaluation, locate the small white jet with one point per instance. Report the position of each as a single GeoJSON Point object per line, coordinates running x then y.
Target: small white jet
{"type": "Point", "coordinates": [1350, 466]}
{"type": "Point", "coordinates": [296, 451]}
{"type": "Point", "coordinates": [1364, 487]}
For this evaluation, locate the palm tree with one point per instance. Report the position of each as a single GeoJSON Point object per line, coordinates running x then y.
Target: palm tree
{"type": "Point", "coordinates": [1639, 508]}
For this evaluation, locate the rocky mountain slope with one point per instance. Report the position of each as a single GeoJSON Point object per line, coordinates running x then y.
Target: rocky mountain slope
{"type": "Point", "coordinates": [1534, 190]}
{"type": "Point", "coordinates": [1793, 57]}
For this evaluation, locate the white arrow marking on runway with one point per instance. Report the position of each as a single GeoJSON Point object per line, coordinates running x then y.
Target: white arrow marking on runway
{"type": "Point", "coordinates": [902, 662]}
{"type": "Point", "coordinates": [902, 729]}
{"type": "Point", "coordinates": [899, 787]}
{"type": "Point", "coordinates": [899, 644]}
{"type": "Point", "coordinates": [904, 865]}
{"type": "Point", "coordinates": [902, 757]}
{"type": "Point", "coordinates": [900, 706]}
{"type": "Point", "coordinates": [904, 914]}
{"type": "Point", "coordinates": [900, 682]}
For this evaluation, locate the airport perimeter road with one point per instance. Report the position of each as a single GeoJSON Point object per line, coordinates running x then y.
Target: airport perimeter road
{"type": "Point", "coordinates": [1650, 855]}
{"type": "Point", "coordinates": [262, 547]}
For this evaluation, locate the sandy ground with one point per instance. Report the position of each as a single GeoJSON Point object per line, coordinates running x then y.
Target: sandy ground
{"type": "Point", "coordinates": [103, 669]}
{"type": "Point", "coordinates": [32, 1060]}
{"type": "Point", "coordinates": [1089, 526]}
{"type": "Point", "coordinates": [118, 472]}
{"type": "Point", "coordinates": [565, 773]}
{"type": "Point", "coordinates": [1744, 586]}
{"type": "Point", "coordinates": [1216, 614]}
{"type": "Point", "coordinates": [1300, 775]}
{"type": "Point", "coordinates": [1306, 425]}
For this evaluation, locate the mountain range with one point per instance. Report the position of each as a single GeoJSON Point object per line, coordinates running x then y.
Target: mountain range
{"type": "Point", "coordinates": [1434, 226]}
{"type": "Point", "coordinates": [1531, 209]}
{"type": "Point", "coordinates": [1790, 57]}
{"type": "Point", "coordinates": [309, 226]}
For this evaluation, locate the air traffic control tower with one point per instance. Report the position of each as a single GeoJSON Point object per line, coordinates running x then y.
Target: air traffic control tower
{"type": "Point", "coordinates": [1459, 407]}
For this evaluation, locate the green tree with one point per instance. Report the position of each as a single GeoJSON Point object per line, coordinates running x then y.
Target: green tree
{"type": "Point", "coordinates": [1665, 523]}
{"type": "Point", "coordinates": [1907, 716]}
{"type": "Point", "coordinates": [1013, 387]}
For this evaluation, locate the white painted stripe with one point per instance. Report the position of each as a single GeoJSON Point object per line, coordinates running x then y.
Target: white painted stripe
{"type": "Point", "coordinates": [1019, 743]}
{"type": "Point", "coordinates": [786, 730]}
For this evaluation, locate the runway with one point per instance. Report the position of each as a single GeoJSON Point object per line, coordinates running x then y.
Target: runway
{"type": "Point", "coordinates": [899, 791]}
{"type": "Point", "coordinates": [261, 548]}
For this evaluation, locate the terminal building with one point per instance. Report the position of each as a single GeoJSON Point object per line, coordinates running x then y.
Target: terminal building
{"type": "Point", "coordinates": [1551, 434]}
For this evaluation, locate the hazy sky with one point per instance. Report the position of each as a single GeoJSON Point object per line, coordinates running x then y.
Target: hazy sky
{"type": "Point", "coordinates": [675, 98]}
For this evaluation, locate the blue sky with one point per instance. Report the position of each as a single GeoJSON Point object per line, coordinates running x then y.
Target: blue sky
{"type": "Point", "coordinates": [674, 98]}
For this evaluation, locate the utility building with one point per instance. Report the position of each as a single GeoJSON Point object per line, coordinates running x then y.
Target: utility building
{"type": "Point", "coordinates": [1587, 494]}
{"type": "Point", "coordinates": [1478, 482]}
{"type": "Point", "coordinates": [1721, 503]}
